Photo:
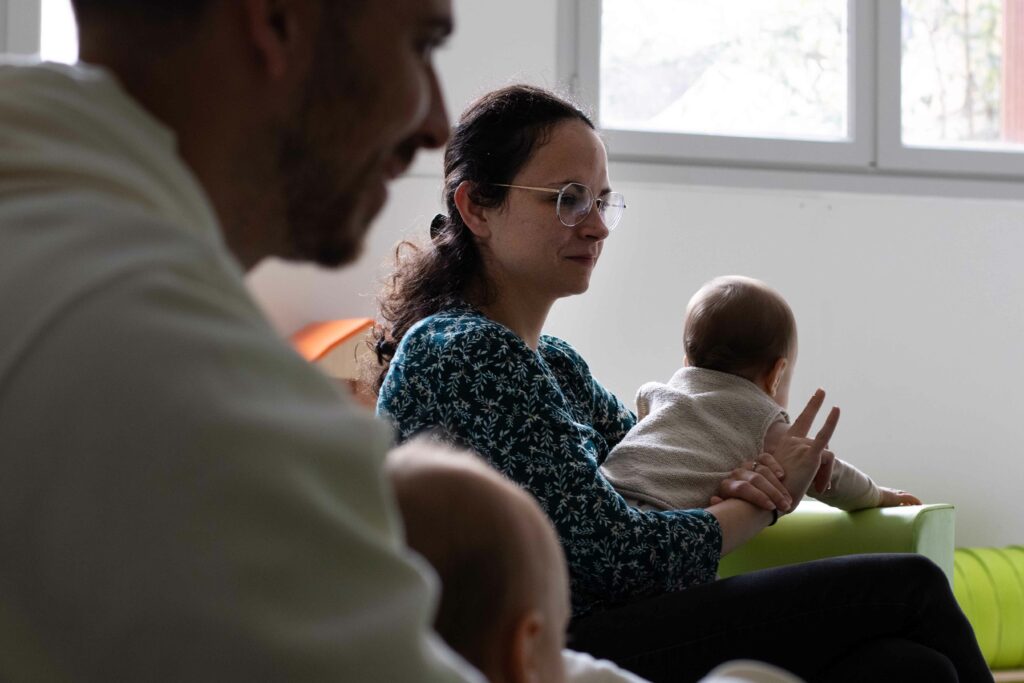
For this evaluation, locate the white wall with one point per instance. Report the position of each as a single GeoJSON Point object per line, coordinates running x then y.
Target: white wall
{"type": "Point", "coordinates": [909, 307]}
{"type": "Point", "coordinates": [3, 26]}
{"type": "Point", "coordinates": [19, 26]}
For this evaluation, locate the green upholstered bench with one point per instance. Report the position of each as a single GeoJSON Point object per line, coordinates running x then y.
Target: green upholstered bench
{"type": "Point", "coordinates": [817, 531]}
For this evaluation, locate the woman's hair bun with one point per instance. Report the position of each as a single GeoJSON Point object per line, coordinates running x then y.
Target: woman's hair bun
{"type": "Point", "coordinates": [437, 225]}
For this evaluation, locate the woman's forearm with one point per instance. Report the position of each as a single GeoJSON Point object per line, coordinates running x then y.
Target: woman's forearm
{"type": "Point", "coordinates": [740, 521]}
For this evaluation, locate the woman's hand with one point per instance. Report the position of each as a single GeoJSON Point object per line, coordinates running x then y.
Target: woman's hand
{"type": "Point", "coordinates": [803, 458]}
{"type": "Point", "coordinates": [893, 497]}
{"type": "Point", "coordinates": [759, 482]}
{"type": "Point", "coordinates": [800, 459]}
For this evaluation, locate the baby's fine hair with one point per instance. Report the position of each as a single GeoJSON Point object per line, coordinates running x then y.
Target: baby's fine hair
{"type": "Point", "coordinates": [480, 532]}
{"type": "Point", "coordinates": [738, 325]}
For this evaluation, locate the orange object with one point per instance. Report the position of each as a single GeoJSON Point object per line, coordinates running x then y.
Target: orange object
{"type": "Point", "coordinates": [317, 340]}
{"type": "Point", "coordinates": [337, 348]}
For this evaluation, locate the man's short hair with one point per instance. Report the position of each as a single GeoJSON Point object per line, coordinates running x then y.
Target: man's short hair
{"type": "Point", "coordinates": [155, 10]}
{"type": "Point", "coordinates": [161, 10]}
{"type": "Point", "coordinates": [170, 17]}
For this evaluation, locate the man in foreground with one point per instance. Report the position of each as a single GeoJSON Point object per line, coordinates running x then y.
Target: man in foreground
{"type": "Point", "coordinates": [182, 498]}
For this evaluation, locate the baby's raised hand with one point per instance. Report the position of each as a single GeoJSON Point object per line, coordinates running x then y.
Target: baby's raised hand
{"type": "Point", "coordinates": [894, 497]}
{"type": "Point", "coordinates": [823, 478]}
{"type": "Point", "coordinates": [800, 456]}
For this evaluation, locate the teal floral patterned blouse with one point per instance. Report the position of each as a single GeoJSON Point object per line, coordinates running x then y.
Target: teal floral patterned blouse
{"type": "Point", "coordinates": [540, 418]}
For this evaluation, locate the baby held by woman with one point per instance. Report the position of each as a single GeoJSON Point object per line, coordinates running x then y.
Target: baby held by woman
{"type": "Point", "coordinates": [726, 406]}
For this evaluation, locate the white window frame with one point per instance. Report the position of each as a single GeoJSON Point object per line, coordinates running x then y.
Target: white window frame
{"type": "Point", "coordinates": [875, 145]}
{"type": "Point", "coordinates": [19, 26]}
{"type": "Point", "coordinates": [891, 153]}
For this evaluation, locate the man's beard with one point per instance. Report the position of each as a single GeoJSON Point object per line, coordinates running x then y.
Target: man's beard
{"type": "Point", "coordinates": [324, 221]}
{"type": "Point", "coordinates": [324, 206]}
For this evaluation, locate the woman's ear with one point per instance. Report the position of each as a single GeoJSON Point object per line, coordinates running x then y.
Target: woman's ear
{"type": "Point", "coordinates": [473, 215]}
{"type": "Point", "coordinates": [525, 657]}
{"type": "Point", "coordinates": [775, 376]}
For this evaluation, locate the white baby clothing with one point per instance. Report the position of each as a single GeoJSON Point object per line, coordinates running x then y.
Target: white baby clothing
{"type": "Point", "coordinates": [693, 431]}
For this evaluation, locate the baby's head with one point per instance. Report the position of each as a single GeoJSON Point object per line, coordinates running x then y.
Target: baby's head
{"type": "Point", "coordinates": [504, 587]}
{"type": "Point", "coordinates": [741, 326]}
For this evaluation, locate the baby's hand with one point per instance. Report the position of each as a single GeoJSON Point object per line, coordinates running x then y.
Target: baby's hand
{"type": "Point", "coordinates": [893, 497]}
{"type": "Point", "coordinates": [823, 478]}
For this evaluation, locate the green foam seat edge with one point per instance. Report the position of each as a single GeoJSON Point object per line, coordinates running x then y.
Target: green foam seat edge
{"type": "Point", "coordinates": [815, 531]}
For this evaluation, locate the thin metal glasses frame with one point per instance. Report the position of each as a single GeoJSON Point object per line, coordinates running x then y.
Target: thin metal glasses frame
{"type": "Point", "coordinates": [598, 201]}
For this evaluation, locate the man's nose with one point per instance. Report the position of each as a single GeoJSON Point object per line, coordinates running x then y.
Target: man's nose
{"type": "Point", "coordinates": [435, 128]}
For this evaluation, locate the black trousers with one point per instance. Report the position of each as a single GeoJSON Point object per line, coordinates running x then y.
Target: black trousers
{"type": "Point", "coordinates": [865, 618]}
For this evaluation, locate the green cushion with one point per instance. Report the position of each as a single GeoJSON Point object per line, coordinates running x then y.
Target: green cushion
{"type": "Point", "coordinates": [817, 530]}
{"type": "Point", "coordinates": [983, 603]}
{"type": "Point", "coordinates": [1009, 595]}
{"type": "Point", "coordinates": [960, 590]}
{"type": "Point", "coordinates": [990, 589]}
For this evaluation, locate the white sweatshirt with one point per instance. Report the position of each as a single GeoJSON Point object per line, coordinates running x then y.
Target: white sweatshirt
{"type": "Point", "coordinates": [181, 496]}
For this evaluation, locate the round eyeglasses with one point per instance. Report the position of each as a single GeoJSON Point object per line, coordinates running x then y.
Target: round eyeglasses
{"type": "Point", "coordinates": [576, 201]}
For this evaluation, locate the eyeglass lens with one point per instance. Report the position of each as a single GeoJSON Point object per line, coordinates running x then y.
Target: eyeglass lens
{"type": "Point", "coordinates": [575, 202]}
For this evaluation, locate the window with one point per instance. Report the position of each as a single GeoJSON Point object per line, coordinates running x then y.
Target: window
{"type": "Point", "coordinates": [957, 88]}
{"type": "Point", "coordinates": [705, 67]}
{"type": "Point", "coordinates": [58, 39]}
{"type": "Point", "coordinates": [39, 27]}
{"type": "Point", "coordinates": [868, 86]}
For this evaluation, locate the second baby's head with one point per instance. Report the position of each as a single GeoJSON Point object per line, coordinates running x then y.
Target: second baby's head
{"type": "Point", "coordinates": [743, 327]}
{"type": "Point", "coordinates": [504, 583]}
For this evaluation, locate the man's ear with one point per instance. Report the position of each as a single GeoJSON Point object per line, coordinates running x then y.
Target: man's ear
{"type": "Point", "coordinates": [524, 661]}
{"type": "Point", "coordinates": [473, 215]}
{"type": "Point", "coordinates": [775, 376]}
{"type": "Point", "coordinates": [272, 27]}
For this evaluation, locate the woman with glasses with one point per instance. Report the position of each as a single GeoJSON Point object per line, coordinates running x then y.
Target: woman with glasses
{"type": "Point", "coordinates": [529, 207]}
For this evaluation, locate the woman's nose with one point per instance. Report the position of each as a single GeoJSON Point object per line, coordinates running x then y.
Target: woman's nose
{"type": "Point", "coordinates": [593, 227]}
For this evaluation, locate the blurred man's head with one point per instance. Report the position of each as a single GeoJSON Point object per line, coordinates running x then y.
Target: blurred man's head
{"type": "Point", "coordinates": [294, 114]}
{"type": "Point", "coordinates": [504, 584]}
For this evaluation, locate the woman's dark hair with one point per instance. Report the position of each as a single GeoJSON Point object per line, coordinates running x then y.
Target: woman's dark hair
{"type": "Point", "coordinates": [496, 136]}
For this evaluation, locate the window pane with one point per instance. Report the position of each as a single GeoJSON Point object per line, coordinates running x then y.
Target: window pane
{"type": "Point", "coordinates": [761, 68]}
{"type": "Point", "coordinates": [961, 84]}
{"type": "Point", "coordinates": [58, 41]}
